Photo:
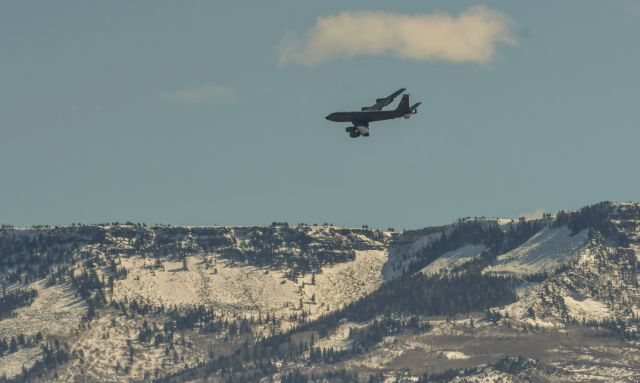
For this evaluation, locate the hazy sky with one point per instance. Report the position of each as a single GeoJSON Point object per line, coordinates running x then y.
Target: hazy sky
{"type": "Point", "coordinates": [213, 112]}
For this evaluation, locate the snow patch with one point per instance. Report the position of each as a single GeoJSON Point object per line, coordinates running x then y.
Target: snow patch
{"type": "Point", "coordinates": [452, 259]}
{"type": "Point", "coordinates": [339, 338]}
{"type": "Point", "coordinates": [403, 252]}
{"type": "Point", "coordinates": [545, 251]}
{"type": "Point", "coordinates": [343, 283]}
{"type": "Point", "coordinates": [453, 355]}
{"type": "Point", "coordinates": [56, 310]}
{"type": "Point", "coordinates": [529, 296]}
{"type": "Point", "coordinates": [12, 364]}
{"type": "Point", "coordinates": [243, 288]}
{"type": "Point", "coordinates": [587, 309]}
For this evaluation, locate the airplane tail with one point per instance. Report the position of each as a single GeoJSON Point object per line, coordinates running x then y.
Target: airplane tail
{"type": "Point", "coordinates": [403, 106]}
{"type": "Point", "coordinates": [414, 108]}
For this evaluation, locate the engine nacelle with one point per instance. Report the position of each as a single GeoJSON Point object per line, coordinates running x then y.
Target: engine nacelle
{"type": "Point", "coordinates": [408, 115]}
{"type": "Point", "coordinates": [363, 130]}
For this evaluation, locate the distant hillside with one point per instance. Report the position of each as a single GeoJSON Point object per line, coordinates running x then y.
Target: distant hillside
{"type": "Point", "coordinates": [295, 303]}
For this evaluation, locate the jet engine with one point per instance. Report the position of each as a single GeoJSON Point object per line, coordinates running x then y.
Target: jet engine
{"type": "Point", "coordinates": [413, 110]}
{"type": "Point", "coordinates": [363, 130]}
{"type": "Point", "coordinates": [357, 131]}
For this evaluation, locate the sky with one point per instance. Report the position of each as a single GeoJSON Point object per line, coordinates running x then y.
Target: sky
{"type": "Point", "coordinates": [212, 112]}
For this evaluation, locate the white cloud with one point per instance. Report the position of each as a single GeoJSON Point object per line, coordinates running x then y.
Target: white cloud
{"type": "Point", "coordinates": [470, 36]}
{"type": "Point", "coordinates": [201, 94]}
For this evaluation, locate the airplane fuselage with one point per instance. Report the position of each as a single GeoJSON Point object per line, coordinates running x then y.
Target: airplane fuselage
{"type": "Point", "coordinates": [364, 116]}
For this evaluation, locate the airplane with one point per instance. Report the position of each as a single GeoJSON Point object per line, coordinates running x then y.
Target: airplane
{"type": "Point", "coordinates": [361, 119]}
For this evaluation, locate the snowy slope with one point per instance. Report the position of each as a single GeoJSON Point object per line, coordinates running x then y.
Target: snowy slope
{"type": "Point", "coordinates": [242, 289]}
{"type": "Point", "coordinates": [452, 259]}
{"type": "Point", "coordinates": [239, 288]}
{"type": "Point", "coordinates": [13, 363]}
{"type": "Point", "coordinates": [545, 251]}
{"type": "Point", "coordinates": [56, 310]}
{"type": "Point", "coordinates": [600, 284]}
{"type": "Point", "coordinates": [404, 249]}
{"type": "Point", "coordinates": [344, 283]}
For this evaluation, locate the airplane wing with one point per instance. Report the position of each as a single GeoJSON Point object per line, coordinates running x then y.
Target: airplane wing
{"type": "Point", "coordinates": [382, 102]}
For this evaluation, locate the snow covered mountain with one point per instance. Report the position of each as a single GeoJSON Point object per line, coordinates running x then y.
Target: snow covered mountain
{"type": "Point", "coordinates": [476, 300]}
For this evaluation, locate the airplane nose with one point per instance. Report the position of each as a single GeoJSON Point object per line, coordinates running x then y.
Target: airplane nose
{"type": "Point", "coordinates": [328, 117]}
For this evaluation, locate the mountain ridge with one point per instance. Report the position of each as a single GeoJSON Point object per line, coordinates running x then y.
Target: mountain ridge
{"type": "Point", "coordinates": [170, 302]}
